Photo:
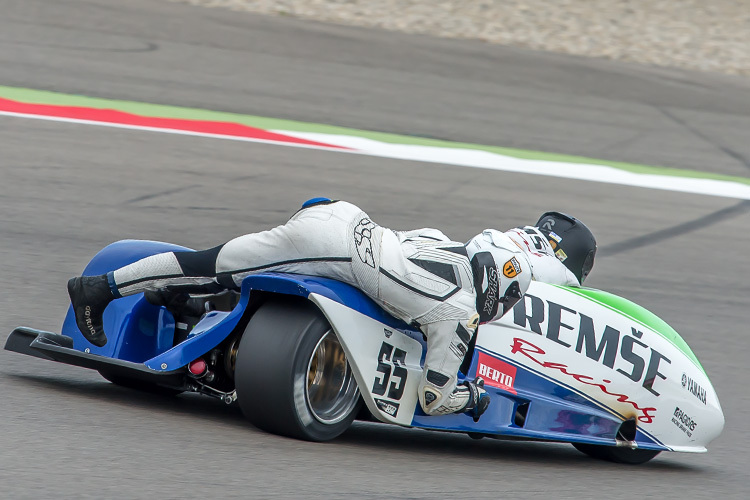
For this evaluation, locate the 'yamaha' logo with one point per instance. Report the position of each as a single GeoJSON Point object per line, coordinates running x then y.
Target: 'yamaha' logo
{"type": "Point", "coordinates": [694, 388]}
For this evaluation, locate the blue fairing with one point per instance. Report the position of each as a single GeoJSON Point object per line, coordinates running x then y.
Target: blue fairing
{"type": "Point", "coordinates": [136, 329]}
{"type": "Point", "coordinates": [303, 285]}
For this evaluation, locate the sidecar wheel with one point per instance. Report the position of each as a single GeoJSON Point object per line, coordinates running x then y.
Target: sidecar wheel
{"type": "Point", "coordinates": [139, 385]}
{"type": "Point", "coordinates": [617, 454]}
{"type": "Point", "coordinates": [291, 373]}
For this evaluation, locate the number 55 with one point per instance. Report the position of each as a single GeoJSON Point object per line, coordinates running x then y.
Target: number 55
{"type": "Point", "coordinates": [395, 368]}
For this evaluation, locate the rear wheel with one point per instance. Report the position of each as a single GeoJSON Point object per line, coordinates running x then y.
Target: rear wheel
{"type": "Point", "coordinates": [618, 454]}
{"type": "Point", "coordinates": [291, 374]}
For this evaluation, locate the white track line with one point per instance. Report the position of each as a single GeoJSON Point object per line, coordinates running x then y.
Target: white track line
{"type": "Point", "coordinates": [462, 158]}
{"type": "Point", "coordinates": [484, 159]}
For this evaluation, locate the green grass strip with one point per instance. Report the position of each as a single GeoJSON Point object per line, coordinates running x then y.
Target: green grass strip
{"type": "Point", "coordinates": [163, 111]}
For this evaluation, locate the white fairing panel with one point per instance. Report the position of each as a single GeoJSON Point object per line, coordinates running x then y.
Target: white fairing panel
{"type": "Point", "coordinates": [385, 362]}
{"type": "Point", "coordinates": [618, 361]}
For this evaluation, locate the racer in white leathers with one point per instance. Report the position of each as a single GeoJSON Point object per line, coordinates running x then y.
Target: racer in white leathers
{"type": "Point", "coordinates": [446, 288]}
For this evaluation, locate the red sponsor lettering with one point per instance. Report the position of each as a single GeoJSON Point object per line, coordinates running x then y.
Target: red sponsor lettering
{"type": "Point", "coordinates": [496, 373]}
{"type": "Point", "coordinates": [532, 352]}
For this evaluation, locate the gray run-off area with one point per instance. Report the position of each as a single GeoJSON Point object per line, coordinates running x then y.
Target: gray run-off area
{"type": "Point", "coordinates": [706, 35]}
{"type": "Point", "coordinates": [69, 189]}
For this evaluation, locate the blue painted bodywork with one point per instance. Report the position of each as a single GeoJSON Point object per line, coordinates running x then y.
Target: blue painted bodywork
{"type": "Point", "coordinates": [137, 330]}
{"type": "Point", "coordinates": [143, 333]}
{"type": "Point", "coordinates": [556, 411]}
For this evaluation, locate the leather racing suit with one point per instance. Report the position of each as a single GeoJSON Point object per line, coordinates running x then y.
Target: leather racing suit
{"type": "Point", "coordinates": [421, 277]}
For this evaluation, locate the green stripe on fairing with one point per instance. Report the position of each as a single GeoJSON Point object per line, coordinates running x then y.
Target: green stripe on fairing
{"type": "Point", "coordinates": [639, 315]}
{"type": "Point", "coordinates": [163, 111]}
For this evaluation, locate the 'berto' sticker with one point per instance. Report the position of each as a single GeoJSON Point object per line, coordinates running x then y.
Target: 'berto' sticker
{"type": "Point", "coordinates": [496, 373]}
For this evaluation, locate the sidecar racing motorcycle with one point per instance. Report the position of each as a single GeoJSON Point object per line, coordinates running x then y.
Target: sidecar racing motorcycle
{"type": "Point", "coordinates": [573, 365]}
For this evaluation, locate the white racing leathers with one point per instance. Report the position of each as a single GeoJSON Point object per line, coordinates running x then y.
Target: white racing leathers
{"type": "Point", "coordinates": [419, 276]}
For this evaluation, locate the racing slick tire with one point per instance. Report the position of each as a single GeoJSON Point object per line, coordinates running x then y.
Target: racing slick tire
{"type": "Point", "coordinates": [291, 373]}
{"type": "Point", "coordinates": [617, 454]}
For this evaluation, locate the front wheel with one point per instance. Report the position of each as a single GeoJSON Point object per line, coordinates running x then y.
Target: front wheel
{"type": "Point", "coordinates": [617, 454]}
{"type": "Point", "coordinates": [291, 374]}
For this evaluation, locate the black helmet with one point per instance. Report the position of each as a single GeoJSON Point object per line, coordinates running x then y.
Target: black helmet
{"type": "Point", "coordinates": [572, 241]}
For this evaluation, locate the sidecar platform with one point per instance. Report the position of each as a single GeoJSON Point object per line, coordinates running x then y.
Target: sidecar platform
{"type": "Point", "coordinates": [56, 347]}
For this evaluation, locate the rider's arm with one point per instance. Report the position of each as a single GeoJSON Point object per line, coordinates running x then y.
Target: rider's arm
{"type": "Point", "coordinates": [545, 266]}
{"type": "Point", "coordinates": [548, 269]}
{"type": "Point", "coordinates": [425, 233]}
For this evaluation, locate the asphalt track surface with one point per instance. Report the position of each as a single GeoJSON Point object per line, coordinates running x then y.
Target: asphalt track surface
{"type": "Point", "coordinates": [67, 190]}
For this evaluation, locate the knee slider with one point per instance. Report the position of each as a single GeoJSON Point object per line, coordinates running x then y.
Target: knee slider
{"type": "Point", "coordinates": [428, 397]}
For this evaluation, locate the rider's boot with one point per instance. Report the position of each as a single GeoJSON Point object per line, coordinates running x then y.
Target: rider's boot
{"type": "Point", "coordinates": [90, 296]}
{"type": "Point", "coordinates": [479, 399]}
{"type": "Point", "coordinates": [469, 397]}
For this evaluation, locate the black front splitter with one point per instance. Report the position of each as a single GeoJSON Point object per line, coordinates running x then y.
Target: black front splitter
{"type": "Point", "coordinates": [56, 347]}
